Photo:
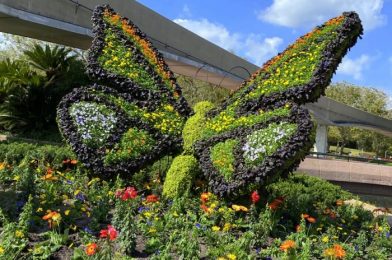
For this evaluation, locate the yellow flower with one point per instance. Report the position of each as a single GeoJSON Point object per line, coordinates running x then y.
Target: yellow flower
{"type": "Point", "coordinates": [152, 230]}
{"type": "Point", "coordinates": [227, 227]}
{"type": "Point", "coordinates": [215, 228]}
{"type": "Point", "coordinates": [1, 250]}
{"type": "Point", "coordinates": [325, 239]}
{"type": "Point", "coordinates": [16, 178]}
{"type": "Point", "coordinates": [221, 210]}
{"type": "Point", "coordinates": [19, 234]}
{"type": "Point", "coordinates": [39, 210]}
{"type": "Point", "coordinates": [239, 208]}
{"type": "Point", "coordinates": [67, 212]}
{"type": "Point", "coordinates": [2, 166]}
{"type": "Point", "coordinates": [231, 257]}
{"type": "Point", "coordinates": [147, 214]}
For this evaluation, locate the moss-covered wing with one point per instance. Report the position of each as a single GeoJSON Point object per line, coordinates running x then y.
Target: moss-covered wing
{"type": "Point", "coordinates": [261, 131]}
{"type": "Point", "coordinates": [111, 133]}
{"type": "Point", "coordinates": [301, 73]}
{"type": "Point", "coordinates": [135, 114]}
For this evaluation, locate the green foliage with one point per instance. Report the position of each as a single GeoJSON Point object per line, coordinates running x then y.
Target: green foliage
{"type": "Point", "coordinates": [52, 61]}
{"type": "Point", "coordinates": [32, 86]}
{"type": "Point", "coordinates": [133, 144]}
{"type": "Point", "coordinates": [195, 125]}
{"type": "Point", "coordinates": [17, 152]}
{"type": "Point", "coordinates": [222, 157]}
{"type": "Point", "coordinates": [196, 91]}
{"type": "Point", "coordinates": [301, 192]}
{"type": "Point", "coordinates": [124, 212]}
{"type": "Point", "coordinates": [180, 176]}
{"type": "Point", "coordinates": [366, 99]}
{"type": "Point", "coordinates": [13, 236]}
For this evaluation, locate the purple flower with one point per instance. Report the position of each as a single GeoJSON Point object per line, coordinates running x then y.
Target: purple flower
{"type": "Point", "coordinates": [86, 229]}
{"type": "Point", "coordinates": [80, 197]}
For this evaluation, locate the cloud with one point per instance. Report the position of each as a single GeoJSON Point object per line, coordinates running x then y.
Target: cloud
{"type": "Point", "coordinates": [186, 11]}
{"type": "Point", "coordinates": [254, 47]}
{"type": "Point", "coordinates": [215, 33]}
{"type": "Point", "coordinates": [260, 50]}
{"type": "Point", "coordinates": [305, 13]}
{"type": "Point", "coordinates": [354, 67]}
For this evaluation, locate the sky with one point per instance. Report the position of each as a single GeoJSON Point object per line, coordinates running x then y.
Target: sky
{"type": "Point", "coordinates": [257, 30]}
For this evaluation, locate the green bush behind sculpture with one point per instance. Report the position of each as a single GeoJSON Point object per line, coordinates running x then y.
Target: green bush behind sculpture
{"type": "Point", "coordinates": [136, 113]}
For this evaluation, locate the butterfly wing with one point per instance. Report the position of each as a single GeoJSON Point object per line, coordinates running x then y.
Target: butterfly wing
{"type": "Point", "coordinates": [135, 114]}
{"type": "Point", "coordinates": [261, 131]}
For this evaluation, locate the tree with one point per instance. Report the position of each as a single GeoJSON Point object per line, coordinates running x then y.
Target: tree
{"type": "Point", "coordinates": [32, 86]}
{"type": "Point", "coordinates": [367, 99]}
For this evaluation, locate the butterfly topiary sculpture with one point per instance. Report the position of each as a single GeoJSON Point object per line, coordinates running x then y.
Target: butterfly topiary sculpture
{"type": "Point", "coordinates": [136, 113]}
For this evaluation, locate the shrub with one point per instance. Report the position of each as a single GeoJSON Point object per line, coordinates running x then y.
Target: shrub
{"type": "Point", "coordinates": [180, 176]}
{"type": "Point", "coordinates": [195, 125]}
{"type": "Point", "coordinates": [16, 152]}
{"type": "Point", "coordinates": [302, 192]}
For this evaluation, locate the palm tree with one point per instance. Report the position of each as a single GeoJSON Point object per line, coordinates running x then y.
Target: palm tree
{"type": "Point", "coordinates": [52, 61]}
{"type": "Point", "coordinates": [30, 89]}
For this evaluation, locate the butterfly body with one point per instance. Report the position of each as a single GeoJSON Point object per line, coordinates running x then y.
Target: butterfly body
{"type": "Point", "coordinates": [137, 114]}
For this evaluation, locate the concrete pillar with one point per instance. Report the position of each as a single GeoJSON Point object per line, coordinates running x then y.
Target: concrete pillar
{"type": "Point", "coordinates": [321, 145]}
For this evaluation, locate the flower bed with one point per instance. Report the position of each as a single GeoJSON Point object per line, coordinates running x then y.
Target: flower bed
{"type": "Point", "coordinates": [54, 210]}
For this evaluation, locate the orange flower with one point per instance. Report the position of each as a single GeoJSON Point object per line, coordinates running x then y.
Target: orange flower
{"type": "Point", "coordinates": [339, 202]}
{"type": "Point", "coordinates": [286, 245]}
{"type": "Point", "coordinates": [152, 198]}
{"type": "Point", "coordinates": [305, 216]}
{"type": "Point", "coordinates": [308, 218]}
{"type": "Point", "coordinates": [336, 251]}
{"type": "Point", "coordinates": [204, 196]}
{"type": "Point", "coordinates": [49, 177]}
{"type": "Point", "coordinates": [275, 204]}
{"type": "Point", "coordinates": [73, 162]}
{"type": "Point", "coordinates": [205, 209]}
{"type": "Point", "coordinates": [91, 248]}
{"type": "Point", "coordinates": [2, 166]}
{"type": "Point", "coordinates": [53, 218]}
{"type": "Point", "coordinates": [298, 228]}
{"type": "Point", "coordinates": [311, 220]}
{"type": "Point", "coordinates": [339, 251]}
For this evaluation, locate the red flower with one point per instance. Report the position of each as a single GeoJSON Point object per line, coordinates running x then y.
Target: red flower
{"type": "Point", "coordinates": [111, 232]}
{"type": "Point", "coordinates": [129, 193]}
{"type": "Point", "coordinates": [152, 198]}
{"type": "Point", "coordinates": [91, 248]}
{"type": "Point", "coordinates": [103, 233]}
{"type": "Point", "coordinates": [255, 197]}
